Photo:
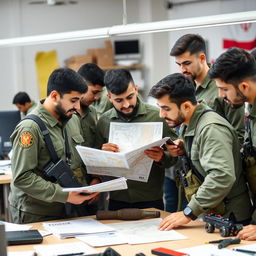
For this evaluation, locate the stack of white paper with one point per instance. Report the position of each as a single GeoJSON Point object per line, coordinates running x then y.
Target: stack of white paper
{"type": "Point", "coordinates": [72, 228]}
{"type": "Point", "coordinates": [64, 249]}
{"type": "Point", "coordinates": [5, 167]}
{"type": "Point", "coordinates": [116, 184]}
{"type": "Point", "coordinates": [15, 227]}
{"type": "Point", "coordinates": [132, 232]}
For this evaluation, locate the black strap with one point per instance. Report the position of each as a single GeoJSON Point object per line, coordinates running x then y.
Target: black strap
{"type": "Point", "coordinates": [68, 153]}
{"type": "Point", "coordinates": [249, 131]}
{"type": "Point", "coordinates": [48, 139]}
{"type": "Point", "coordinates": [190, 142]}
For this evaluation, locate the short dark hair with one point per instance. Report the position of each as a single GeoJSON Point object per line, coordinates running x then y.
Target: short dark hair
{"type": "Point", "coordinates": [233, 66]}
{"type": "Point", "coordinates": [179, 88]}
{"type": "Point", "coordinates": [21, 98]}
{"type": "Point", "coordinates": [92, 74]}
{"type": "Point", "coordinates": [65, 80]}
{"type": "Point", "coordinates": [192, 43]}
{"type": "Point", "coordinates": [117, 80]}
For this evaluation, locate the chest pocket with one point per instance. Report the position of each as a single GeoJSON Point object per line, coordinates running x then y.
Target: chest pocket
{"type": "Point", "coordinates": [77, 139]}
{"type": "Point", "coordinates": [194, 154]}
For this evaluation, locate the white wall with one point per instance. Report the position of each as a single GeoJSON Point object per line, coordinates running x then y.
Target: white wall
{"type": "Point", "coordinates": [19, 18]}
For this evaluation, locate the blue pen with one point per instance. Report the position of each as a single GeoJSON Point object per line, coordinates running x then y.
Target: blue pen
{"type": "Point", "coordinates": [245, 251]}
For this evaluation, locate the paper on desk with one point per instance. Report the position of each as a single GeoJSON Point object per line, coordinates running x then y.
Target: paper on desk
{"type": "Point", "coordinates": [15, 227]}
{"type": "Point", "coordinates": [145, 231]}
{"type": "Point", "coordinates": [116, 184]}
{"type": "Point", "coordinates": [72, 228]}
{"type": "Point", "coordinates": [5, 167]}
{"type": "Point", "coordinates": [64, 248]}
{"type": "Point", "coordinates": [210, 250]}
{"type": "Point", "coordinates": [5, 163]}
{"type": "Point", "coordinates": [25, 253]}
{"type": "Point", "coordinates": [250, 247]}
{"type": "Point", "coordinates": [103, 239]}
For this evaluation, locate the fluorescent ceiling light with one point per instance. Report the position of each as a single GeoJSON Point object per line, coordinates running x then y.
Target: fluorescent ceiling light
{"type": "Point", "coordinates": [132, 29]}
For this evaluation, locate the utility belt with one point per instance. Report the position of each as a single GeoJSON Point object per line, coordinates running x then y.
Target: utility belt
{"type": "Point", "coordinates": [189, 180]}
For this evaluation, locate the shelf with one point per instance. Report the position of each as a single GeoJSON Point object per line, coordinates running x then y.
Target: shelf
{"type": "Point", "coordinates": [134, 66]}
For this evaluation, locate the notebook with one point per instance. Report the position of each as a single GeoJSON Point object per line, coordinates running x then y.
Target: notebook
{"type": "Point", "coordinates": [23, 237]}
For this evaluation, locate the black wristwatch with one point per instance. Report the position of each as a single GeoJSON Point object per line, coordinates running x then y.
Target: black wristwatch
{"type": "Point", "coordinates": [189, 213]}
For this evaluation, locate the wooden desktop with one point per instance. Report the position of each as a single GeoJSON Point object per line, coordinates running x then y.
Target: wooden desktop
{"type": "Point", "coordinates": [194, 231]}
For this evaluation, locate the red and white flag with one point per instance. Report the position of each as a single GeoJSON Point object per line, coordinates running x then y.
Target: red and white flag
{"type": "Point", "coordinates": [241, 35]}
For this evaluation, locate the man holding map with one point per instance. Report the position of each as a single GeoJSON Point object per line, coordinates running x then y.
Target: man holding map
{"type": "Point", "coordinates": [129, 109]}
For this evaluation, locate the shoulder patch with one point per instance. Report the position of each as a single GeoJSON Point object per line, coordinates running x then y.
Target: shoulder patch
{"type": "Point", "coordinates": [26, 139]}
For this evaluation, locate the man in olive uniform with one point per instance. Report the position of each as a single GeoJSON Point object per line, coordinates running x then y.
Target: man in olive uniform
{"type": "Point", "coordinates": [128, 108]}
{"type": "Point", "coordinates": [33, 197]}
{"type": "Point", "coordinates": [235, 74]}
{"type": "Point", "coordinates": [94, 79]}
{"type": "Point", "coordinates": [190, 55]}
{"type": "Point", "coordinates": [211, 144]}
{"type": "Point", "coordinates": [23, 102]}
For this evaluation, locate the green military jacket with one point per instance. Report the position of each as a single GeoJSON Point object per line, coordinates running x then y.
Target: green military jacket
{"type": "Point", "coordinates": [138, 191]}
{"type": "Point", "coordinates": [208, 92]}
{"type": "Point", "coordinates": [88, 124]}
{"type": "Point", "coordinates": [252, 119]}
{"type": "Point", "coordinates": [102, 104]}
{"type": "Point", "coordinates": [31, 108]}
{"type": "Point", "coordinates": [215, 154]}
{"type": "Point", "coordinates": [30, 192]}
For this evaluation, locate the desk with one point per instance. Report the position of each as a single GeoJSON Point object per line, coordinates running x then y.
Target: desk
{"type": "Point", "coordinates": [5, 181]}
{"type": "Point", "coordinates": [194, 231]}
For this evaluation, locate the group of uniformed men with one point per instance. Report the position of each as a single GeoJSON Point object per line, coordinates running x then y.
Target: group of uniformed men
{"type": "Point", "coordinates": [206, 103]}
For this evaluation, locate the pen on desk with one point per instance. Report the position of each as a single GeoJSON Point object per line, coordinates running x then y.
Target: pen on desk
{"type": "Point", "coordinates": [245, 251]}
{"type": "Point", "coordinates": [72, 254]}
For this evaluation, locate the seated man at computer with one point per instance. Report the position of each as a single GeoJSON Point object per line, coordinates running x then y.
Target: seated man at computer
{"type": "Point", "coordinates": [23, 103]}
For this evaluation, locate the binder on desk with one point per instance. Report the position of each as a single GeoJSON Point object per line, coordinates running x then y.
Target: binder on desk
{"type": "Point", "coordinates": [23, 237]}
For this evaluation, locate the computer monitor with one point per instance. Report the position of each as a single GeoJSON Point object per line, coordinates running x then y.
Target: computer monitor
{"type": "Point", "coordinates": [8, 121]}
{"type": "Point", "coordinates": [128, 49]}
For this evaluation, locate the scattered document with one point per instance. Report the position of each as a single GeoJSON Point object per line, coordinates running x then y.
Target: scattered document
{"type": "Point", "coordinates": [131, 162]}
{"type": "Point", "coordinates": [5, 167]}
{"type": "Point", "coordinates": [210, 250]}
{"type": "Point", "coordinates": [25, 253]}
{"type": "Point", "coordinates": [249, 247]}
{"type": "Point", "coordinates": [145, 231]}
{"type": "Point", "coordinates": [72, 228]}
{"type": "Point", "coordinates": [116, 184]}
{"type": "Point", "coordinates": [64, 248]}
{"type": "Point", "coordinates": [103, 239]}
{"type": "Point", "coordinates": [15, 227]}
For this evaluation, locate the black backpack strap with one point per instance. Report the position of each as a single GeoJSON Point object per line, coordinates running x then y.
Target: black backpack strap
{"type": "Point", "coordinates": [190, 141]}
{"type": "Point", "coordinates": [46, 135]}
{"type": "Point", "coordinates": [68, 152]}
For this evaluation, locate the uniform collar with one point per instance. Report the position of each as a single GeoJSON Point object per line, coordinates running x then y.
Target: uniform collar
{"type": "Point", "coordinates": [205, 82]}
{"type": "Point", "coordinates": [252, 112]}
{"type": "Point", "coordinates": [51, 120]}
{"type": "Point", "coordinates": [85, 111]}
{"type": "Point", "coordinates": [141, 110]}
{"type": "Point", "coordinates": [191, 128]}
